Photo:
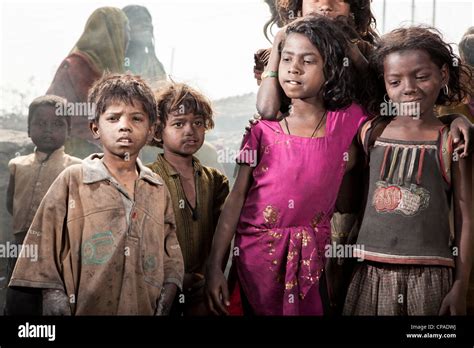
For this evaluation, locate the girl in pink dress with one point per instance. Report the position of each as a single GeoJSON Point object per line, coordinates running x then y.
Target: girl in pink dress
{"type": "Point", "coordinates": [289, 177]}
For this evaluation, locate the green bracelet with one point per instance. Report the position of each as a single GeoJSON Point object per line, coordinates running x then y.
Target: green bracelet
{"type": "Point", "coordinates": [269, 73]}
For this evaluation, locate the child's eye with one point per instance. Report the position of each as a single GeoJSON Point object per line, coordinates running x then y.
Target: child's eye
{"type": "Point", "coordinates": [393, 83]}
{"type": "Point", "coordinates": [178, 124]}
{"type": "Point", "coordinates": [59, 124]}
{"type": "Point", "coordinates": [308, 62]}
{"type": "Point", "coordinates": [285, 59]}
{"type": "Point", "coordinates": [137, 118]}
{"type": "Point", "coordinates": [198, 123]}
{"type": "Point", "coordinates": [421, 77]}
{"type": "Point", "coordinates": [113, 118]}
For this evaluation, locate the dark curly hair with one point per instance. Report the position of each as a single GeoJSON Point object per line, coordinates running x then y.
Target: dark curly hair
{"type": "Point", "coordinates": [284, 12]}
{"type": "Point", "coordinates": [419, 38]}
{"type": "Point", "coordinates": [338, 91]}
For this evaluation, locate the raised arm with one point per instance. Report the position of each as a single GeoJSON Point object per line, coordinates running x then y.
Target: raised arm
{"type": "Point", "coordinates": [269, 95]}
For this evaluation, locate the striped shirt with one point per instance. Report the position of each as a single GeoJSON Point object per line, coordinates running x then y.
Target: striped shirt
{"type": "Point", "coordinates": [195, 227]}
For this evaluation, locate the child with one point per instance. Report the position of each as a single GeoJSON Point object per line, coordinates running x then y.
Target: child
{"type": "Point", "coordinates": [105, 230]}
{"type": "Point", "coordinates": [30, 178]}
{"type": "Point", "coordinates": [405, 236]}
{"type": "Point", "coordinates": [355, 16]}
{"type": "Point", "coordinates": [282, 230]}
{"type": "Point", "coordinates": [197, 192]}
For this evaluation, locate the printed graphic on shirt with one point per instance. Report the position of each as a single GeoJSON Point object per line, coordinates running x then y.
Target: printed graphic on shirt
{"type": "Point", "coordinates": [397, 199]}
{"type": "Point", "coordinates": [98, 249]}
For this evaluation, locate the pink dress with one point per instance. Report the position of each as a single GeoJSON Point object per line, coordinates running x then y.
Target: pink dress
{"type": "Point", "coordinates": [284, 225]}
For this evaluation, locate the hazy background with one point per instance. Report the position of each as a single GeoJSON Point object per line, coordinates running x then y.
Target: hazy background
{"type": "Point", "coordinates": [213, 40]}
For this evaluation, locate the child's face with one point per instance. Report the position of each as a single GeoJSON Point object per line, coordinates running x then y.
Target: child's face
{"type": "Point", "coordinates": [413, 80]}
{"type": "Point", "coordinates": [300, 72]}
{"type": "Point", "coordinates": [329, 8]}
{"type": "Point", "coordinates": [47, 131]}
{"type": "Point", "coordinates": [183, 134]}
{"type": "Point", "coordinates": [123, 129]}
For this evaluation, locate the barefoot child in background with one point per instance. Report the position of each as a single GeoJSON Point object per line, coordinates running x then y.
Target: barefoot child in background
{"type": "Point", "coordinates": [30, 178]}
{"type": "Point", "coordinates": [106, 231]}
{"type": "Point", "coordinates": [290, 172]}
{"type": "Point", "coordinates": [413, 264]}
{"type": "Point", "coordinates": [197, 192]}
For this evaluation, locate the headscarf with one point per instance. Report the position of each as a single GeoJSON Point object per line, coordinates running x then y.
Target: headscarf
{"type": "Point", "coordinates": [104, 39]}
{"type": "Point", "coordinates": [141, 57]}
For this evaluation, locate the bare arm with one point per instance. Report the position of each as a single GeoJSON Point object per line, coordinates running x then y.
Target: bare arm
{"type": "Point", "coordinates": [358, 58]}
{"type": "Point", "coordinates": [455, 301]}
{"type": "Point", "coordinates": [10, 194]}
{"type": "Point", "coordinates": [269, 94]}
{"type": "Point", "coordinates": [217, 292]}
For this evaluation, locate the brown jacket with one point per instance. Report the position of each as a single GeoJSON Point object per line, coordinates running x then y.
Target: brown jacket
{"type": "Point", "coordinates": [110, 254]}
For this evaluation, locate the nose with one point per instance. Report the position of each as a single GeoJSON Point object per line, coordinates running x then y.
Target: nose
{"type": "Point", "coordinates": [294, 67]}
{"type": "Point", "coordinates": [124, 125]}
{"type": "Point", "coordinates": [409, 87]}
{"type": "Point", "coordinates": [188, 129]}
{"type": "Point", "coordinates": [325, 6]}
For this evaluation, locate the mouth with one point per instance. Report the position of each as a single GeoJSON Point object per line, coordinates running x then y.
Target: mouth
{"type": "Point", "coordinates": [293, 82]}
{"type": "Point", "coordinates": [190, 142]}
{"type": "Point", "coordinates": [410, 101]}
{"type": "Point", "coordinates": [125, 141]}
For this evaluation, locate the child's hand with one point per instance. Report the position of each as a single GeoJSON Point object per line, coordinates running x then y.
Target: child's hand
{"type": "Point", "coordinates": [217, 292]}
{"type": "Point", "coordinates": [192, 280]}
{"type": "Point", "coordinates": [55, 302]}
{"type": "Point", "coordinates": [454, 302]}
{"type": "Point", "coordinates": [462, 131]}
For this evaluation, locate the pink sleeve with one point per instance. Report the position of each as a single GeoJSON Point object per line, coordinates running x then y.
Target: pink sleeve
{"type": "Point", "coordinates": [249, 149]}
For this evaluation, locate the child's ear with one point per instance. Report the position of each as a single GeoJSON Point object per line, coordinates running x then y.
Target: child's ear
{"type": "Point", "coordinates": [94, 129]}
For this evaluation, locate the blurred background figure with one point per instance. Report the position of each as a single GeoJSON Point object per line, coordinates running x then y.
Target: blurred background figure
{"type": "Point", "coordinates": [140, 58]}
{"type": "Point", "coordinates": [100, 49]}
{"type": "Point", "coordinates": [466, 53]}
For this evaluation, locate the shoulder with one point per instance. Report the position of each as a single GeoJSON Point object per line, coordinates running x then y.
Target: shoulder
{"type": "Point", "coordinates": [347, 120]}
{"type": "Point", "coordinates": [353, 111]}
{"type": "Point", "coordinates": [214, 174]}
{"type": "Point", "coordinates": [70, 160]}
{"type": "Point", "coordinates": [263, 126]}
{"type": "Point", "coordinates": [26, 159]}
{"type": "Point", "coordinates": [73, 171]}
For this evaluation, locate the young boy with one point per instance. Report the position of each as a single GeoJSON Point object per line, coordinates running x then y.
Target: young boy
{"type": "Point", "coordinates": [197, 192]}
{"type": "Point", "coordinates": [30, 178]}
{"type": "Point", "coordinates": [106, 230]}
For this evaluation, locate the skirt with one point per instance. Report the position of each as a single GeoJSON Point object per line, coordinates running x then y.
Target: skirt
{"type": "Point", "coordinates": [387, 289]}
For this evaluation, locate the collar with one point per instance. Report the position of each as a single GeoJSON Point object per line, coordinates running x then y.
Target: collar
{"type": "Point", "coordinates": [171, 171]}
{"type": "Point", "coordinates": [43, 156]}
{"type": "Point", "coordinates": [94, 170]}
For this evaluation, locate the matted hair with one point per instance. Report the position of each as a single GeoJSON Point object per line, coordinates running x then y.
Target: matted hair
{"type": "Point", "coordinates": [53, 101]}
{"type": "Point", "coordinates": [426, 39]}
{"type": "Point", "coordinates": [180, 98]}
{"type": "Point", "coordinates": [124, 88]}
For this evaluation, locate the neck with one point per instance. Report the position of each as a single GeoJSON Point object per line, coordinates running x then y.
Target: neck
{"type": "Point", "coordinates": [120, 165]}
{"type": "Point", "coordinates": [179, 162]}
{"type": "Point", "coordinates": [311, 107]}
{"type": "Point", "coordinates": [424, 119]}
